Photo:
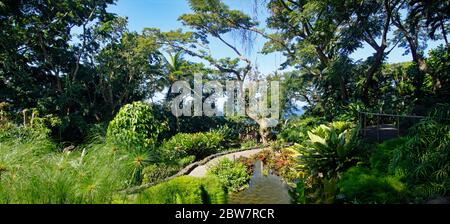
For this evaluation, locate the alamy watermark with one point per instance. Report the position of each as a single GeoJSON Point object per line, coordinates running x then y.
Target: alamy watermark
{"type": "Point", "coordinates": [235, 98]}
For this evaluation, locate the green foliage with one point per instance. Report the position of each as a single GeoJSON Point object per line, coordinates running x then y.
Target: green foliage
{"type": "Point", "coordinates": [214, 17]}
{"type": "Point", "coordinates": [423, 159]}
{"type": "Point", "coordinates": [440, 113]}
{"type": "Point", "coordinates": [157, 172]}
{"type": "Point", "coordinates": [230, 134]}
{"type": "Point", "coordinates": [76, 83]}
{"type": "Point", "coordinates": [10, 131]}
{"type": "Point", "coordinates": [299, 193]}
{"type": "Point", "coordinates": [350, 112]}
{"type": "Point", "coordinates": [35, 172]}
{"type": "Point", "coordinates": [383, 154]}
{"type": "Point", "coordinates": [251, 143]}
{"type": "Point", "coordinates": [185, 190]}
{"type": "Point", "coordinates": [282, 162]}
{"type": "Point", "coordinates": [135, 127]}
{"type": "Point", "coordinates": [330, 149]}
{"type": "Point", "coordinates": [232, 175]}
{"type": "Point", "coordinates": [360, 185]}
{"type": "Point", "coordinates": [439, 73]}
{"type": "Point", "coordinates": [36, 128]}
{"type": "Point", "coordinates": [296, 130]}
{"type": "Point", "coordinates": [199, 145]}
{"type": "Point", "coordinates": [82, 78]}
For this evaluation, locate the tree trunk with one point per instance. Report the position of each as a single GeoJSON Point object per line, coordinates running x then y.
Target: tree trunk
{"type": "Point", "coordinates": [423, 68]}
{"type": "Point", "coordinates": [264, 133]}
{"type": "Point", "coordinates": [371, 72]}
{"type": "Point", "coordinates": [344, 94]}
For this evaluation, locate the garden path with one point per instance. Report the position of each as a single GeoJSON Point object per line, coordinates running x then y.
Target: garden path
{"type": "Point", "coordinates": [200, 171]}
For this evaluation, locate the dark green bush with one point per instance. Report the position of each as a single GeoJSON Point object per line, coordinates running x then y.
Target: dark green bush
{"type": "Point", "coordinates": [199, 145]}
{"type": "Point", "coordinates": [154, 172]}
{"type": "Point", "coordinates": [135, 127]}
{"type": "Point", "coordinates": [441, 113]}
{"type": "Point", "coordinates": [360, 185]}
{"type": "Point", "coordinates": [185, 190]}
{"type": "Point", "coordinates": [233, 175]}
{"type": "Point", "coordinates": [424, 160]}
{"type": "Point", "coordinates": [230, 134]}
{"type": "Point", "coordinates": [383, 153]}
{"type": "Point", "coordinates": [296, 130]}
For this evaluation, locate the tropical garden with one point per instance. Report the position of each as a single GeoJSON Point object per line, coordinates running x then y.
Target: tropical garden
{"type": "Point", "coordinates": [78, 123]}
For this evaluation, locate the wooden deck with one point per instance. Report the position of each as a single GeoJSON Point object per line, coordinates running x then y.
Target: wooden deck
{"type": "Point", "coordinates": [382, 133]}
{"type": "Point", "coordinates": [381, 127]}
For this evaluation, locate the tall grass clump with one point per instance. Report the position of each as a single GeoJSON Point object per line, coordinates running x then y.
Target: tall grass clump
{"type": "Point", "coordinates": [185, 190]}
{"type": "Point", "coordinates": [34, 171]}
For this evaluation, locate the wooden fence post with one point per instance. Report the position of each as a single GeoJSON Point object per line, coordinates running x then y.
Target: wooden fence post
{"type": "Point", "coordinates": [365, 124]}
{"type": "Point", "coordinates": [378, 128]}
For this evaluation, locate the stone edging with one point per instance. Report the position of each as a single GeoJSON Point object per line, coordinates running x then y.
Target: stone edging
{"type": "Point", "coordinates": [185, 171]}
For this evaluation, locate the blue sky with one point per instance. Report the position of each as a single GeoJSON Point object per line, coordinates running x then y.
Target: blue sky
{"type": "Point", "coordinates": [163, 14]}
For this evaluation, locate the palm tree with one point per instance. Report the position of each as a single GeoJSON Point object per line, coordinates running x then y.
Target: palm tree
{"type": "Point", "coordinates": [175, 69]}
{"type": "Point", "coordinates": [174, 65]}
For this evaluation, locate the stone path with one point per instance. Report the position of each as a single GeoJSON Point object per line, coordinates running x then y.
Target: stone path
{"type": "Point", "coordinates": [200, 171]}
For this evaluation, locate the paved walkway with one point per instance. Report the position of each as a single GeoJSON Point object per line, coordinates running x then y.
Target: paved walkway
{"type": "Point", "coordinates": [200, 171]}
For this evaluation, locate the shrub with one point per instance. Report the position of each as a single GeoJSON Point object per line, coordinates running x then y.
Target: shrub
{"type": "Point", "coordinates": [251, 143]}
{"type": "Point", "coordinates": [37, 128]}
{"type": "Point", "coordinates": [233, 175]}
{"type": "Point", "coordinates": [283, 163]}
{"type": "Point", "coordinates": [440, 112]}
{"type": "Point", "coordinates": [360, 185]}
{"type": "Point", "coordinates": [154, 173]}
{"type": "Point", "coordinates": [135, 127]}
{"type": "Point", "coordinates": [298, 193]}
{"type": "Point", "coordinates": [383, 153]}
{"type": "Point", "coordinates": [423, 159]}
{"type": "Point", "coordinates": [231, 135]}
{"type": "Point", "coordinates": [185, 190]}
{"type": "Point", "coordinates": [16, 133]}
{"type": "Point", "coordinates": [296, 130]}
{"type": "Point", "coordinates": [199, 145]}
{"type": "Point", "coordinates": [330, 150]}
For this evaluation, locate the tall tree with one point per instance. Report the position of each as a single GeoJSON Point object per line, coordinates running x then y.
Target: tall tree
{"type": "Point", "coordinates": [214, 19]}
{"type": "Point", "coordinates": [436, 15]}
{"type": "Point", "coordinates": [124, 65]}
{"type": "Point", "coordinates": [72, 59]}
{"type": "Point", "coordinates": [313, 35]}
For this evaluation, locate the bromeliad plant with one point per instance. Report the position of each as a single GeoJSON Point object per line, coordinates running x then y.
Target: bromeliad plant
{"type": "Point", "coordinates": [330, 149]}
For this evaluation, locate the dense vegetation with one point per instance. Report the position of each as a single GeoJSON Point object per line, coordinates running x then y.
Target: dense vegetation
{"type": "Point", "coordinates": [185, 190]}
{"type": "Point", "coordinates": [77, 124]}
